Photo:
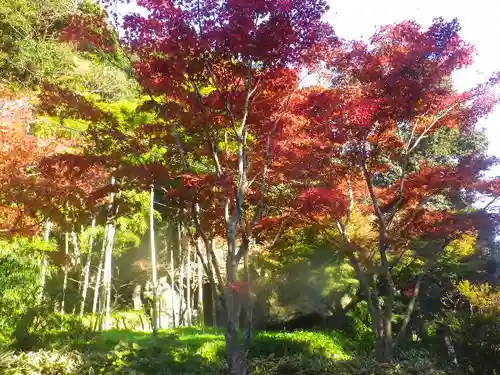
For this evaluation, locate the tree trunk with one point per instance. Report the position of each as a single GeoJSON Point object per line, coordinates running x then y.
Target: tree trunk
{"type": "Point", "coordinates": [201, 317]}
{"type": "Point", "coordinates": [236, 295]}
{"type": "Point", "coordinates": [172, 286]}
{"type": "Point", "coordinates": [154, 307]}
{"type": "Point", "coordinates": [108, 259]}
{"type": "Point", "coordinates": [384, 342]}
{"type": "Point", "coordinates": [45, 262]}
{"type": "Point", "coordinates": [97, 288]}
{"type": "Point", "coordinates": [237, 351]}
{"type": "Point", "coordinates": [86, 270]}
{"type": "Point", "coordinates": [136, 297]}
{"type": "Point", "coordinates": [181, 286]}
{"type": "Point", "coordinates": [78, 253]}
{"type": "Point", "coordinates": [213, 296]}
{"type": "Point", "coordinates": [65, 280]}
{"type": "Point", "coordinates": [79, 261]}
{"type": "Point", "coordinates": [409, 311]}
{"type": "Point", "coordinates": [105, 308]}
{"type": "Point", "coordinates": [383, 348]}
{"type": "Point", "coordinates": [237, 356]}
{"type": "Point", "coordinates": [188, 287]}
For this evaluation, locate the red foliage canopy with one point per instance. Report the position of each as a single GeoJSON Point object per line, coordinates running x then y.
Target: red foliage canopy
{"type": "Point", "coordinates": [35, 180]}
{"type": "Point", "coordinates": [386, 98]}
{"type": "Point", "coordinates": [212, 67]}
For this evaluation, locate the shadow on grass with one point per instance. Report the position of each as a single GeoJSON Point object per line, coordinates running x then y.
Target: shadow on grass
{"type": "Point", "coordinates": [191, 350]}
{"type": "Point", "coordinates": [196, 351]}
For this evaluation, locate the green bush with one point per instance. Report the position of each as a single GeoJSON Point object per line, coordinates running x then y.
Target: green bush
{"type": "Point", "coordinates": [19, 284]}
{"type": "Point", "coordinates": [42, 363]}
{"type": "Point", "coordinates": [476, 331]}
{"type": "Point", "coordinates": [360, 328]}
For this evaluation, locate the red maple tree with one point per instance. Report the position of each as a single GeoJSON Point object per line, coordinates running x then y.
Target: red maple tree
{"type": "Point", "coordinates": [36, 182]}
{"type": "Point", "coordinates": [222, 76]}
{"type": "Point", "coordinates": [365, 150]}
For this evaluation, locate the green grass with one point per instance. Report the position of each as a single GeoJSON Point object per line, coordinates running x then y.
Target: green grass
{"type": "Point", "coordinates": [209, 344]}
{"type": "Point", "coordinates": [197, 351]}
{"type": "Point", "coordinates": [332, 345]}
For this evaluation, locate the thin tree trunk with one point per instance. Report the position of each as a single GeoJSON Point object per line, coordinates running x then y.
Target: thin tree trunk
{"type": "Point", "coordinates": [65, 280]}
{"type": "Point", "coordinates": [45, 263]}
{"type": "Point", "coordinates": [108, 276]}
{"type": "Point", "coordinates": [248, 302]}
{"type": "Point", "coordinates": [100, 267]}
{"type": "Point", "coordinates": [188, 286]}
{"type": "Point", "coordinates": [86, 271]}
{"type": "Point", "coordinates": [181, 281]}
{"type": "Point", "coordinates": [78, 253]}
{"type": "Point", "coordinates": [237, 352]}
{"type": "Point", "coordinates": [409, 311]}
{"type": "Point", "coordinates": [201, 317]}
{"type": "Point", "coordinates": [108, 258]}
{"type": "Point", "coordinates": [172, 285]}
{"type": "Point", "coordinates": [386, 354]}
{"type": "Point", "coordinates": [212, 291]}
{"type": "Point", "coordinates": [78, 256]}
{"type": "Point", "coordinates": [154, 280]}
{"type": "Point", "coordinates": [387, 311]}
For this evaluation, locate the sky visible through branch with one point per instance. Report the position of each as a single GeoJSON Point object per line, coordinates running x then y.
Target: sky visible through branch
{"type": "Point", "coordinates": [359, 19]}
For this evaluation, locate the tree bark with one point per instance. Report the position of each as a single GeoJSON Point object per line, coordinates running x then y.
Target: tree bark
{"type": "Point", "coordinates": [108, 259]}
{"type": "Point", "coordinates": [172, 285]}
{"type": "Point", "coordinates": [78, 253]}
{"type": "Point", "coordinates": [86, 271]}
{"type": "Point", "coordinates": [188, 287]}
{"type": "Point", "coordinates": [181, 280]}
{"type": "Point", "coordinates": [65, 279]}
{"type": "Point", "coordinates": [154, 275]}
{"type": "Point", "coordinates": [237, 352]}
{"type": "Point", "coordinates": [97, 288]}
{"type": "Point", "coordinates": [384, 347]}
{"type": "Point", "coordinates": [213, 296]}
{"type": "Point", "coordinates": [201, 317]}
{"type": "Point", "coordinates": [45, 263]}
{"type": "Point", "coordinates": [409, 311]}
{"type": "Point", "coordinates": [82, 270]}
{"type": "Point", "coordinates": [386, 356]}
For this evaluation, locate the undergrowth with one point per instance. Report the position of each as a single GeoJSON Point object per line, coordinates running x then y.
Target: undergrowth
{"type": "Point", "coordinates": [191, 351]}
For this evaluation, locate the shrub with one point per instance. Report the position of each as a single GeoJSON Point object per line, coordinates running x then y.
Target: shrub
{"type": "Point", "coordinates": [41, 363]}
{"type": "Point", "coordinates": [19, 284]}
{"type": "Point", "coordinates": [477, 330]}
{"type": "Point", "coordinates": [304, 365]}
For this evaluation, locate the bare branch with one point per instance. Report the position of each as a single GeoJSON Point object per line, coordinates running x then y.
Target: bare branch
{"type": "Point", "coordinates": [428, 128]}
{"type": "Point", "coordinates": [490, 203]}
{"type": "Point", "coordinates": [409, 311]}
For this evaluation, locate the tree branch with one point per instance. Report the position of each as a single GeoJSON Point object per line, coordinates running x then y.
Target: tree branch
{"type": "Point", "coordinates": [409, 311]}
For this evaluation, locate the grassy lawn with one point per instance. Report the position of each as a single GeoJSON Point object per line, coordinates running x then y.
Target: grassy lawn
{"type": "Point", "coordinates": [209, 344]}
{"type": "Point", "coordinates": [197, 351]}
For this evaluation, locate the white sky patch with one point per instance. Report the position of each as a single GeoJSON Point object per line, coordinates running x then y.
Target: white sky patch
{"type": "Point", "coordinates": [359, 19]}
